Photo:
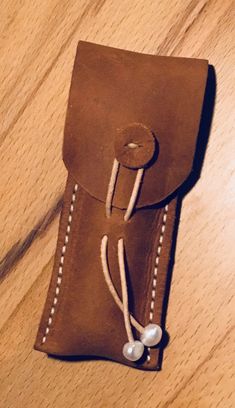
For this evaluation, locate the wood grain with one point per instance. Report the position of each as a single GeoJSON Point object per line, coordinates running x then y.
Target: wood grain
{"type": "Point", "coordinates": [38, 45]}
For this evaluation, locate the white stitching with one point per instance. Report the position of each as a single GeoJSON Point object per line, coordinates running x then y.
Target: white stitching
{"type": "Point", "coordinates": [60, 270]}
{"type": "Point", "coordinates": [154, 284]}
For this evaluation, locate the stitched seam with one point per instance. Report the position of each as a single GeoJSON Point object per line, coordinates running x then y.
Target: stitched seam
{"type": "Point", "coordinates": [155, 271]}
{"type": "Point", "coordinates": [149, 265]}
{"type": "Point", "coordinates": [61, 264]}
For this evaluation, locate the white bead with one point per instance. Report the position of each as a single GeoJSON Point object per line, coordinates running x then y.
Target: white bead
{"type": "Point", "coordinates": [133, 351]}
{"type": "Point", "coordinates": [151, 335]}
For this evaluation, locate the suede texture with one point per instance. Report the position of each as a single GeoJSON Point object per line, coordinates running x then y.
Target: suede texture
{"type": "Point", "coordinates": [110, 90]}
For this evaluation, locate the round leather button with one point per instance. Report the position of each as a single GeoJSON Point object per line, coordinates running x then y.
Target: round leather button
{"type": "Point", "coordinates": [134, 145]}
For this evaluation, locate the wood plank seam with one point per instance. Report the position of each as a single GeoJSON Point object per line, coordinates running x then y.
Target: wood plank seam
{"type": "Point", "coordinates": [19, 249]}
{"type": "Point", "coordinates": [64, 46]}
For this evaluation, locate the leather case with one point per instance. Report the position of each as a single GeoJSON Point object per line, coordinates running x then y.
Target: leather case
{"type": "Point", "coordinates": [141, 112]}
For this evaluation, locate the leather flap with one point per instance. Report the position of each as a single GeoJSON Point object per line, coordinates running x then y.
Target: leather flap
{"type": "Point", "coordinates": [113, 88]}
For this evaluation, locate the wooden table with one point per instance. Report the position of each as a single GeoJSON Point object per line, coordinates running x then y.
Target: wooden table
{"type": "Point", "coordinates": [38, 44]}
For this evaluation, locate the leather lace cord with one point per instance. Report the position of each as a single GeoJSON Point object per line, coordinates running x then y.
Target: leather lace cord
{"type": "Point", "coordinates": [124, 304]}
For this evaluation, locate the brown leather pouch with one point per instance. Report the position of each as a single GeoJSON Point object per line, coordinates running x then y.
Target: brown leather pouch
{"type": "Point", "coordinates": [130, 138]}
